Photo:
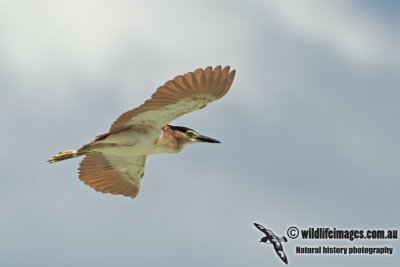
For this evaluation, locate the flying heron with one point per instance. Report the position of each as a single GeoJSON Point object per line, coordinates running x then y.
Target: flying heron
{"type": "Point", "coordinates": [115, 161]}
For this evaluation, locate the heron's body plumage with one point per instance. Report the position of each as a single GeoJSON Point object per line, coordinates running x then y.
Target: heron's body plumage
{"type": "Point", "coordinates": [139, 141]}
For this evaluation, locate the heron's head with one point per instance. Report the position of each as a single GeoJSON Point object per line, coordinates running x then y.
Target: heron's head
{"type": "Point", "coordinates": [190, 136]}
{"type": "Point", "coordinates": [264, 239]}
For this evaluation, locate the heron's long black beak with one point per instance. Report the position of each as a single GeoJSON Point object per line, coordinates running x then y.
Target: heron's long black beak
{"type": "Point", "coordinates": [206, 139]}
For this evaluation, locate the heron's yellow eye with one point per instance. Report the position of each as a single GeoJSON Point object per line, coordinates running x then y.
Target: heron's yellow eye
{"type": "Point", "coordinates": [191, 134]}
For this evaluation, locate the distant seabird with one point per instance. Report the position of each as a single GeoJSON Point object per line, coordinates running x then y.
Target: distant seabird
{"type": "Point", "coordinates": [274, 240]}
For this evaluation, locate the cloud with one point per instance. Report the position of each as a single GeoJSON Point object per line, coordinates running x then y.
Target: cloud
{"type": "Point", "coordinates": [351, 30]}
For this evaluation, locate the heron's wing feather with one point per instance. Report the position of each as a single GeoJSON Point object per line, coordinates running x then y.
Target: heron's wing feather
{"type": "Point", "coordinates": [183, 94]}
{"type": "Point", "coordinates": [117, 175]}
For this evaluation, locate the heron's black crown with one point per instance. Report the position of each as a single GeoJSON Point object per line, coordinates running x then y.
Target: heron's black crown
{"type": "Point", "coordinates": [181, 128]}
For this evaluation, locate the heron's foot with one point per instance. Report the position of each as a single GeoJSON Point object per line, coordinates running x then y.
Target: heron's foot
{"type": "Point", "coordinates": [67, 154]}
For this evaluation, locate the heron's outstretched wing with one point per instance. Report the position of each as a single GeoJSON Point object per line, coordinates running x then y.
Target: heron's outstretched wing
{"type": "Point", "coordinates": [117, 175]}
{"type": "Point", "coordinates": [183, 94]}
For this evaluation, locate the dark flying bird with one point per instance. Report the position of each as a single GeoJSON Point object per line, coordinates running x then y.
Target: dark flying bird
{"type": "Point", "coordinates": [274, 240]}
{"type": "Point", "coordinates": [114, 162]}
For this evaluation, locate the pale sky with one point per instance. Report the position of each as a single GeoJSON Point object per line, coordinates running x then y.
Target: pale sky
{"type": "Point", "coordinates": [309, 130]}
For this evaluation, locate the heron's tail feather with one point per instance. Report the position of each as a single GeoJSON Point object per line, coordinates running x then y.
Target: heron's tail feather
{"type": "Point", "coordinates": [67, 154]}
